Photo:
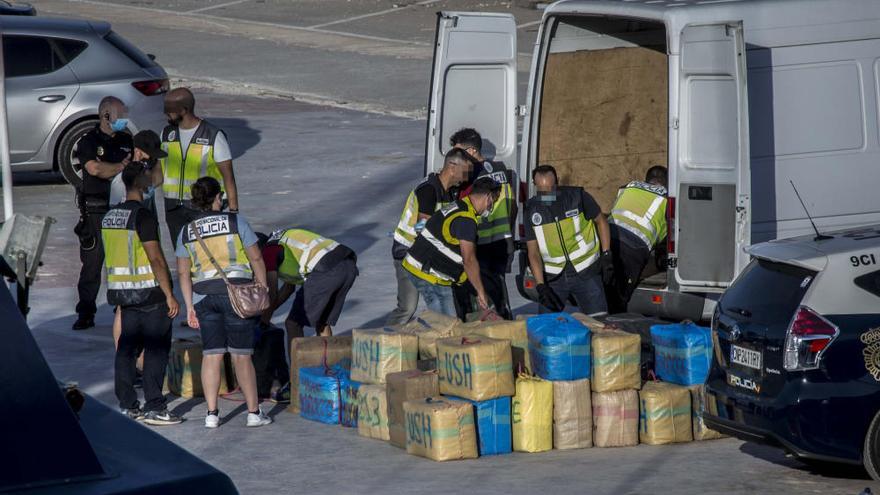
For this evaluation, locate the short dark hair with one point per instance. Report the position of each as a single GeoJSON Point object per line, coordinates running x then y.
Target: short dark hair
{"type": "Point", "coordinates": [657, 173]}
{"type": "Point", "coordinates": [545, 169]}
{"type": "Point", "coordinates": [204, 191]}
{"type": "Point", "coordinates": [486, 185]}
{"type": "Point", "coordinates": [135, 176]}
{"type": "Point", "coordinates": [457, 155]}
{"type": "Point", "coordinates": [467, 137]}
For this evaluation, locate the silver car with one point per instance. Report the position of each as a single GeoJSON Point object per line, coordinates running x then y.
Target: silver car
{"type": "Point", "coordinates": [57, 71]}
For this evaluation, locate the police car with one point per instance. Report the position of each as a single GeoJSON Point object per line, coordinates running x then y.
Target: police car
{"type": "Point", "coordinates": [797, 349]}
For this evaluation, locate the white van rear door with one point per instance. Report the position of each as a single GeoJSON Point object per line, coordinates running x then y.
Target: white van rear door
{"type": "Point", "coordinates": [473, 85]}
{"type": "Point", "coordinates": [712, 181]}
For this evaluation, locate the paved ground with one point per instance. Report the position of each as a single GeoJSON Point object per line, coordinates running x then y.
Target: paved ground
{"type": "Point", "coordinates": [344, 173]}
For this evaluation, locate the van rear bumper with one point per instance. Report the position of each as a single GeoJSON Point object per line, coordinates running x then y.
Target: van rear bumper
{"type": "Point", "coordinates": [663, 303]}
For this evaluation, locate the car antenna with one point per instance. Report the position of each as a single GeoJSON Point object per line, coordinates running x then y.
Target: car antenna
{"type": "Point", "coordinates": [819, 237]}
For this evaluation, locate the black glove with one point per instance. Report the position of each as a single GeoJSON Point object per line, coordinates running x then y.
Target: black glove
{"type": "Point", "coordinates": [549, 299]}
{"type": "Point", "coordinates": [607, 265]}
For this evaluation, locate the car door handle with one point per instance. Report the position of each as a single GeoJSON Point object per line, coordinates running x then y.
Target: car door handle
{"type": "Point", "coordinates": [51, 98]}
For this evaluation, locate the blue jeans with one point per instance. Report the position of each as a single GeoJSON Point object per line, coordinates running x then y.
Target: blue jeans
{"type": "Point", "coordinates": [222, 330]}
{"type": "Point", "coordinates": [586, 288]}
{"type": "Point", "coordinates": [438, 298]}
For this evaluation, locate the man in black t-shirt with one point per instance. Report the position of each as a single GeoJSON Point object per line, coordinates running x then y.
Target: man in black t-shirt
{"type": "Point", "coordinates": [103, 152]}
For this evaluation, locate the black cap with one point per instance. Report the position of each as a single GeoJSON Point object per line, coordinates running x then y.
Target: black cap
{"type": "Point", "coordinates": [149, 142]}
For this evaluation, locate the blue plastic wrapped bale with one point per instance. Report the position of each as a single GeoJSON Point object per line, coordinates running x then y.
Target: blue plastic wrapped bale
{"type": "Point", "coordinates": [494, 435]}
{"type": "Point", "coordinates": [320, 393]}
{"type": "Point", "coordinates": [682, 353]}
{"type": "Point", "coordinates": [559, 347]}
{"type": "Point", "coordinates": [349, 416]}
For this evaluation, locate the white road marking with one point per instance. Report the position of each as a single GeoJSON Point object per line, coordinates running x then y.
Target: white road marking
{"type": "Point", "coordinates": [374, 14]}
{"type": "Point", "coordinates": [218, 6]}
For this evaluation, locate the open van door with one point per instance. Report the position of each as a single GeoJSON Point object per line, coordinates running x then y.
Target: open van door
{"type": "Point", "coordinates": [711, 184]}
{"type": "Point", "coordinates": [473, 84]}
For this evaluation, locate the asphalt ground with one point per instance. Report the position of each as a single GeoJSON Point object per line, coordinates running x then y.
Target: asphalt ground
{"type": "Point", "coordinates": [342, 169]}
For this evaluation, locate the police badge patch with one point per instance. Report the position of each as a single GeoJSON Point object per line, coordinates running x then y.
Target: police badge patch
{"type": "Point", "coordinates": [536, 219]}
{"type": "Point", "coordinates": [488, 167]}
{"type": "Point", "coordinates": [100, 151]}
{"type": "Point", "coordinates": [172, 135]}
{"type": "Point", "coordinates": [871, 352]}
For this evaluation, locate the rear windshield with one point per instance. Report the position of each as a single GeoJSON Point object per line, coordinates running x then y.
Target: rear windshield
{"type": "Point", "coordinates": [767, 292]}
{"type": "Point", "coordinates": [131, 51]}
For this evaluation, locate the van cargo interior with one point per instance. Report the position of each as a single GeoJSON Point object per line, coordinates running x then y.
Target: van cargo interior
{"type": "Point", "coordinates": [604, 104]}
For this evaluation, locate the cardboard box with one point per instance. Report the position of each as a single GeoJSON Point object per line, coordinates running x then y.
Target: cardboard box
{"type": "Point", "coordinates": [572, 415]}
{"type": "Point", "coordinates": [378, 352]}
{"type": "Point", "coordinates": [476, 369]}
{"type": "Point", "coordinates": [616, 418]}
{"type": "Point", "coordinates": [665, 415]}
{"type": "Point", "coordinates": [532, 415]}
{"type": "Point", "coordinates": [183, 375]}
{"type": "Point", "coordinates": [349, 404]}
{"type": "Point", "coordinates": [373, 412]}
{"type": "Point", "coordinates": [512, 331]}
{"type": "Point", "coordinates": [401, 387]}
{"type": "Point", "coordinates": [440, 429]}
{"type": "Point", "coordinates": [616, 359]}
{"type": "Point", "coordinates": [314, 351]}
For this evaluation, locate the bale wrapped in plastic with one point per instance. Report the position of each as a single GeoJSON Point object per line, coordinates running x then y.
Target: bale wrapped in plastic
{"type": "Point", "coordinates": [616, 359]}
{"type": "Point", "coordinates": [475, 368]}
{"type": "Point", "coordinates": [373, 412]}
{"type": "Point", "coordinates": [616, 418]}
{"type": "Point", "coordinates": [440, 429]}
{"type": "Point", "coordinates": [572, 415]}
{"type": "Point", "coordinates": [699, 404]}
{"type": "Point", "coordinates": [493, 425]}
{"type": "Point", "coordinates": [682, 353]}
{"type": "Point", "coordinates": [665, 414]}
{"type": "Point", "coordinates": [523, 317]}
{"type": "Point", "coordinates": [183, 375]}
{"type": "Point", "coordinates": [320, 393]}
{"type": "Point", "coordinates": [430, 327]}
{"type": "Point", "coordinates": [512, 331]}
{"type": "Point", "coordinates": [559, 346]}
{"type": "Point", "coordinates": [378, 352]}
{"type": "Point", "coordinates": [532, 414]}
{"type": "Point", "coordinates": [349, 416]}
{"type": "Point", "coordinates": [306, 352]}
{"type": "Point", "coordinates": [593, 324]}
{"type": "Point", "coordinates": [401, 387]}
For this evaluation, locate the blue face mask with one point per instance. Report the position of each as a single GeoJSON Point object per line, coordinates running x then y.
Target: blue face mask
{"type": "Point", "coordinates": [119, 125]}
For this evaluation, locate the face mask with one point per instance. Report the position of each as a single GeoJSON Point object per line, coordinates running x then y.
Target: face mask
{"type": "Point", "coordinates": [548, 197]}
{"type": "Point", "coordinates": [149, 193]}
{"type": "Point", "coordinates": [119, 125]}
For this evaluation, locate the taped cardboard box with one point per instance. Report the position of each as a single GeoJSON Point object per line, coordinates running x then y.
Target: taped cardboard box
{"type": "Point", "coordinates": [572, 415]}
{"type": "Point", "coordinates": [682, 353]}
{"type": "Point", "coordinates": [512, 331]}
{"type": "Point", "coordinates": [532, 415]}
{"type": "Point", "coordinates": [430, 327]}
{"type": "Point", "coordinates": [699, 404]}
{"type": "Point", "coordinates": [378, 352]}
{"type": "Point", "coordinates": [492, 416]}
{"type": "Point", "coordinates": [349, 392]}
{"type": "Point", "coordinates": [314, 351]}
{"type": "Point", "coordinates": [616, 418]}
{"type": "Point", "coordinates": [440, 429]}
{"type": "Point", "coordinates": [559, 346]}
{"type": "Point", "coordinates": [401, 387]}
{"type": "Point", "coordinates": [320, 393]}
{"type": "Point", "coordinates": [373, 412]}
{"type": "Point", "coordinates": [475, 368]}
{"type": "Point", "coordinates": [616, 359]}
{"type": "Point", "coordinates": [665, 414]}
{"type": "Point", "coordinates": [183, 376]}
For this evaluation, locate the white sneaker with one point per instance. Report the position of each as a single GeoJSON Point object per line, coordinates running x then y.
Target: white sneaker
{"type": "Point", "coordinates": [212, 419]}
{"type": "Point", "coordinates": [258, 419]}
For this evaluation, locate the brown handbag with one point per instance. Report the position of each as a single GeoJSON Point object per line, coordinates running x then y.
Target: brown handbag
{"type": "Point", "coordinates": [248, 299]}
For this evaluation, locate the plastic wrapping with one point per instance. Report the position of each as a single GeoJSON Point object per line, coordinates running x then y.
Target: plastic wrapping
{"type": "Point", "coordinates": [616, 418]}
{"type": "Point", "coordinates": [306, 352]}
{"type": "Point", "coordinates": [440, 429]}
{"type": "Point", "coordinates": [616, 359]}
{"type": "Point", "coordinates": [559, 346]}
{"type": "Point", "coordinates": [377, 352]}
{"type": "Point", "coordinates": [320, 393]}
{"type": "Point", "coordinates": [665, 414]}
{"type": "Point", "coordinates": [593, 324]}
{"type": "Point", "coordinates": [532, 415]}
{"type": "Point", "coordinates": [493, 425]}
{"type": "Point", "coordinates": [401, 387]}
{"type": "Point", "coordinates": [682, 353]}
{"type": "Point", "coordinates": [183, 376]}
{"type": "Point", "coordinates": [572, 415]}
{"type": "Point", "coordinates": [475, 368]}
{"type": "Point", "coordinates": [698, 405]}
{"type": "Point", "coordinates": [430, 327]}
{"type": "Point", "coordinates": [512, 331]}
{"type": "Point", "coordinates": [373, 412]}
{"type": "Point", "coordinates": [349, 416]}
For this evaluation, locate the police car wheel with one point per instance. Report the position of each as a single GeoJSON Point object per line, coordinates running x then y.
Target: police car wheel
{"type": "Point", "coordinates": [871, 450]}
{"type": "Point", "coordinates": [66, 161]}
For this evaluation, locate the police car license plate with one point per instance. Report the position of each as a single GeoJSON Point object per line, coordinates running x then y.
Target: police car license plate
{"type": "Point", "coordinates": [745, 357]}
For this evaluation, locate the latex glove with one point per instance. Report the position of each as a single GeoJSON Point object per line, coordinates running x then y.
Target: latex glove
{"type": "Point", "coordinates": [607, 264]}
{"type": "Point", "coordinates": [549, 299]}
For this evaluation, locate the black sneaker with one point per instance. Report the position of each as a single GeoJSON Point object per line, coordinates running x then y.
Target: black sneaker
{"type": "Point", "coordinates": [282, 395]}
{"type": "Point", "coordinates": [161, 418]}
{"type": "Point", "coordinates": [135, 413]}
{"type": "Point", "coordinates": [84, 323]}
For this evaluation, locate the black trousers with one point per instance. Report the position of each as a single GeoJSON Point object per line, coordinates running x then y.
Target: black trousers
{"type": "Point", "coordinates": [92, 263]}
{"type": "Point", "coordinates": [149, 328]}
{"type": "Point", "coordinates": [629, 262]}
{"type": "Point", "coordinates": [496, 291]}
{"type": "Point", "coordinates": [269, 361]}
{"type": "Point", "coordinates": [177, 216]}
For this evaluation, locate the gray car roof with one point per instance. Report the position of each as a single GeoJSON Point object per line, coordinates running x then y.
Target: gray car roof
{"type": "Point", "coordinates": [813, 254]}
{"type": "Point", "coordinates": [54, 26]}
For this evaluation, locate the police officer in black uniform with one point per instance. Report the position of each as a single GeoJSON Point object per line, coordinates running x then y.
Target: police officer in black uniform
{"type": "Point", "coordinates": [103, 152]}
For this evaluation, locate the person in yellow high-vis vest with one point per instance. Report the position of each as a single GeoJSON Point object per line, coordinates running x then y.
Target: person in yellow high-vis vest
{"type": "Point", "coordinates": [569, 243]}
{"type": "Point", "coordinates": [638, 226]}
{"type": "Point", "coordinates": [196, 148]}
{"type": "Point", "coordinates": [138, 282]}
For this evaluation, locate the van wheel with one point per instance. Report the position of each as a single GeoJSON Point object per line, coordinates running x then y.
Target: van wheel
{"type": "Point", "coordinates": [65, 153]}
{"type": "Point", "coordinates": [871, 450]}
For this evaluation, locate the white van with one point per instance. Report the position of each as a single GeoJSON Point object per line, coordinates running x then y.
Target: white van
{"type": "Point", "coordinates": [736, 97]}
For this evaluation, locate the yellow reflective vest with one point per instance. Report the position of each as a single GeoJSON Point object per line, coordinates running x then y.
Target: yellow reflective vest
{"type": "Point", "coordinates": [563, 232]}
{"type": "Point", "coordinates": [435, 256]}
{"type": "Point", "coordinates": [405, 232]}
{"type": "Point", "coordinates": [499, 225]}
{"type": "Point", "coordinates": [302, 252]}
{"type": "Point", "coordinates": [640, 209]}
{"type": "Point", "coordinates": [130, 278]}
{"type": "Point", "coordinates": [183, 167]}
{"type": "Point", "coordinates": [219, 231]}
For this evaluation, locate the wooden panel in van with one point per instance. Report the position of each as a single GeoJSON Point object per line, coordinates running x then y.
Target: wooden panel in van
{"type": "Point", "coordinates": [604, 117]}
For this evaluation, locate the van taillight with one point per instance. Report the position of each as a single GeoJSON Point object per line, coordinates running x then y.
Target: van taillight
{"type": "Point", "coordinates": [806, 340]}
{"type": "Point", "coordinates": [670, 225]}
{"type": "Point", "coordinates": [153, 87]}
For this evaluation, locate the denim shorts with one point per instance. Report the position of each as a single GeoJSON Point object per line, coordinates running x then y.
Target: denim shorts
{"type": "Point", "coordinates": [222, 330]}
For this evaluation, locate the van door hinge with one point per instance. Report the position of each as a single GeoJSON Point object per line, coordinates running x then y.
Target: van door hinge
{"type": "Point", "coordinates": [674, 123]}
{"type": "Point", "coordinates": [521, 111]}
